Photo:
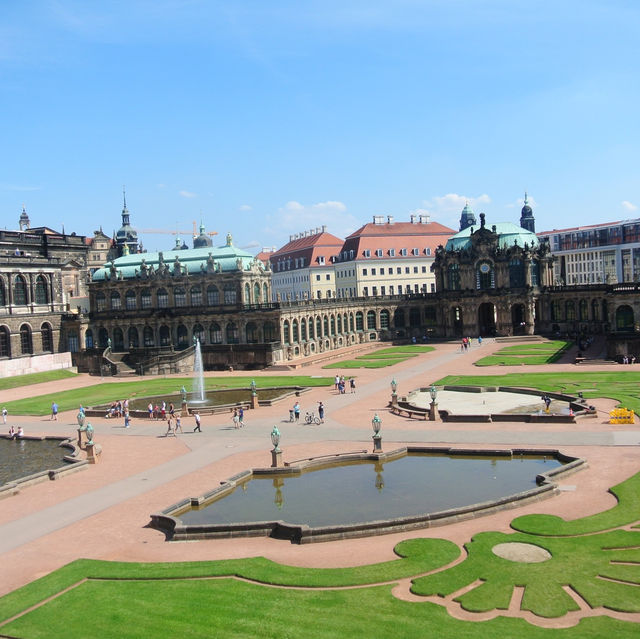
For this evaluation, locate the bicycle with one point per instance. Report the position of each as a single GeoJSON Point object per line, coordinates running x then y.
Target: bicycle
{"type": "Point", "coordinates": [310, 418]}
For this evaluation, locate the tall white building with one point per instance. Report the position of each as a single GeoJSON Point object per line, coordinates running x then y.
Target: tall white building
{"type": "Point", "coordinates": [606, 253]}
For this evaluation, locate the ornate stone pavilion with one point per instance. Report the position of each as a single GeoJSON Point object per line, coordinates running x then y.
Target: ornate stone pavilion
{"type": "Point", "coordinates": [490, 281]}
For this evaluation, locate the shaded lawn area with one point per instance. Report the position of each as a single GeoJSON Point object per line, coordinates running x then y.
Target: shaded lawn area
{"type": "Point", "coordinates": [136, 600]}
{"type": "Point", "coordinates": [366, 363]}
{"type": "Point", "coordinates": [528, 354]}
{"type": "Point", "coordinates": [34, 378]}
{"type": "Point", "coordinates": [114, 391]}
{"type": "Point", "coordinates": [621, 385]}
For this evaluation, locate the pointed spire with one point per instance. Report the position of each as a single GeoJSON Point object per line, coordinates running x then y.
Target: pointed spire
{"type": "Point", "coordinates": [526, 199]}
{"type": "Point", "coordinates": [124, 199]}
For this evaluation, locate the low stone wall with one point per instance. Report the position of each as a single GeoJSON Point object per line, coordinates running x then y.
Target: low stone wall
{"type": "Point", "coordinates": [35, 364]}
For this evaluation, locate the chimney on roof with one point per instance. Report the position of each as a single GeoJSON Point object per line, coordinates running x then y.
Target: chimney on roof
{"type": "Point", "coordinates": [291, 238]}
{"type": "Point", "coordinates": [425, 219]}
{"type": "Point", "coordinates": [378, 219]}
{"type": "Point", "coordinates": [413, 219]}
{"type": "Point", "coordinates": [389, 219]}
{"type": "Point", "coordinates": [317, 229]}
{"type": "Point", "coordinates": [324, 228]}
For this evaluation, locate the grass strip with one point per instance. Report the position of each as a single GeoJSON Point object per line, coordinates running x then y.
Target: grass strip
{"type": "Point", "coordinates": [35, 378]}
{"type": "Point", "coordinates": [364, 363]}
{"type": "Point", "coordinates": [114, 391]}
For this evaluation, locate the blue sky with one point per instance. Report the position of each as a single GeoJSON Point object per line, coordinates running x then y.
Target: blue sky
{"type": "Point", "coordinates": [269, 117]}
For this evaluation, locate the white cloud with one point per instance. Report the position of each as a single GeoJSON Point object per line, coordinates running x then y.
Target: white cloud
{"type": "Point", "coordinates": [245, 207]}
{"type": "Point", "coordinates": [446, 209]}
{"type": "Point", "coordinates": [252, 244]}
{"type": "Point", "coordinates": [295, 217]}
{"type": "Point", "coordinates": [628, 205]}
{"type": "Point", "coordinates": [187, 194]}
{"type": "Point", "coordinates": [519, 203]}
{"type": "Point", "coordinates": [161, 186]}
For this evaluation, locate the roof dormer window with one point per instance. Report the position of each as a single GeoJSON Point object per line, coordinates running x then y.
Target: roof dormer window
{"type": "Point", "coordinates": [415, 251]}
{"type": "Point", "coordinates": [367, 253]}
{"type": "Point", "coordinates": [403, 252]}
{"type": "Point", "coordinates": [378, 252]}
{"type": "Point", "coordinates": [320, 259]}
{"type": "Point", "coordinates": [392, 252]}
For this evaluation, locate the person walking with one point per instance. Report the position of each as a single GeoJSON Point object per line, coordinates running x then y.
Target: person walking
{"type": "Point", "coordinates": [352, 384]}
{"type": "Point", "coordinates": [241, 416]}
{"type": "Point", "coordinates": [321, 412]}
{"type": "Point", "coordinates": [170, 430]}
{"type": "Point", "coordinates": [150, 409]}
{"type": "Point", "coordinates": [197, 418]}
{"type": "Point", "coordinates": [5, 412]}
{"type": "Point", "coordinates": [178, 423]}
{"type": "Point", "coordinates": [235, 418]}
{"type": "Point", "coordinates": [54, 411]}
{"type": "Point", "coordinates": [296, 411]}
{"type": "Point", "coordinates": [127, 419]}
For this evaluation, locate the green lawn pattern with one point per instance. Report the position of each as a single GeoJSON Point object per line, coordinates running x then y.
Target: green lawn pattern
{"type": "Point", "coordinates": [200, 599]}
{"type": "Point", "coordinates": [383, 357]}
{"type": "Point", "coordinates": [17, 381]}
{"type": "Point", "coordinates": [527, 354]}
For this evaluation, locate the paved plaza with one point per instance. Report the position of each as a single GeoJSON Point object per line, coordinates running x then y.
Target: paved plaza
{"type": "Point", "coordinates": [103, 512]}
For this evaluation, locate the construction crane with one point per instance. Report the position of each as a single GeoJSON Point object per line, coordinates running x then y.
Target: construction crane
{"type": "Point", "coordinates": [194, 233]}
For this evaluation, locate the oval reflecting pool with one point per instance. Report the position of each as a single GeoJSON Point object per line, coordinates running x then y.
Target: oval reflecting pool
{"type": "Point", "coordinates": [359, 492]}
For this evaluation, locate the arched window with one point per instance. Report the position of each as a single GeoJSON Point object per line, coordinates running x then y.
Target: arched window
{"type": "Point", "coordinates": [624, 318]}
{"type": "Point", "coordinates": [115, 301]}
{"type": "Point", "coordinates": [147, 336]}
{"type": "Point", "coordinates": [198, 333]}
{"type": "Point", "coordinates": [303, 330]}
{"type": "Point", "coordinates": [339, 321]}
{"type": "Point", "coordinates": [145, 298]}
{"type": "Point", "coordinates": [5, 342]}
{"type": "Point", "coordinates": [414, 317]}
{"type": "Point", "coordinates": [286, 332]}
{"type": "Point", "coordinates": [265, 293]}
{"type": "Point", "coordinates": [583, 310]}
{"type": "Point", "coordinates": [130, 301]}
{"type": "Point", "coordinates": [230, 295]}
{"type": "Point", "coordinates": [103, 338]}
{"type": "Point", "coordinates": [570, 310]}
{"type": "Point", "coordinates": [247, 293]}
{"type": "Point", "coordinates": [351, 324]}
{"type": "Point", "coordinates": [595, 311]}
{"type": "Point", "coordinates": [516, 273]}
{"type": "Point", "coordinates": [269, 332]}
{"type": "Point", "coordinates": [165, 336]}
{"type": "Point", "coordinates": [41, 290]}
{"type": "Point", "coordinates": [256, 293]}
{"type": "Point", "coordinates": [332, 325]}
{"type": "Point", "coordinates": [371, 320]}
{"type": "Point", "coordinates": [179, 296]}
{"type": "Point", "coordinates": [232, 333]}
{"type": "Point", "coordinates": [453, 277]}
{"type": "Point", "coordinates": [318, 327]}
{"type": "Point", "coordinates": [118, 339]}
{"type": "Point", "coordinates": [535, 273]}
{"type": "Point", "coordinates": [183, 336]}
{"type": "Point", "coordinates": [163, 298]}
{"type": "Point", "coordinates": [384, 319]}
{"type": "Point", "coordinates": [3, 294]}
{"type": "Point", "coordinates": [213, 295]}
{"type": "Point", "coordinates": [430, 315]}
{"type": "Point", "coordinates": [398, 318]}
{"type": "Point", "coordinates": [359, 321]}
{"type": "Point", "coordinates": [325, 326]}
{"type": "Point", "coordinates": [47, 337]}
{"type": "Point", "coordinates": [252, 333]}
{"type": "Point", "coordinates": [556, 315]}
{"type": "Point", "coordinates": [26, 343]}
{"type": "Point", "coordinates": [132, 337]}
{"type": "Point", "coordinates": [485, 276]}
{"type": "Point", "coordinates": [88, 339]}
{"type": "Point", "coordinates": [215, 333]}
{"type": "Point", "coordinates": [311, 323]}
{"type": "Point", "coordinates": [196, 296]}
{"type": "Point", "coordinates": [19, 291]}
{"type": "Point", "coordinates": [101, 302]}
{"type": "Point", "coordinates": [296, 335]}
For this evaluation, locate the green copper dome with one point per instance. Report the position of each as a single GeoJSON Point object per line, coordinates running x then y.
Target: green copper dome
{"type": "Point", "coordinates": [509, 235]}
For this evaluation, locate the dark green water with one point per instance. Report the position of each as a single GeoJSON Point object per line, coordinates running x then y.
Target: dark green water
{"type": "Point", "coordinates": [362, 492]}
{"type": "Point", "coordinates": [23, 457]}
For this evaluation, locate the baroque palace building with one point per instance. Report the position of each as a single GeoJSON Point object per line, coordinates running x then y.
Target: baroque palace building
{"type": "Point", "coordinates": [482, 281]}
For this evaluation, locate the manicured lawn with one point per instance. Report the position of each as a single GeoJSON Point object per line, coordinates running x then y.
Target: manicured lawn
{"type": "Point", "coordinates": [201, 599]}
{"type": "Point", "coordinates": [620, 384]}
{"type": "Point", "coordinates": [383, 357]}
{"type": "Point", "coordinates": [34, 378]}
{"type": "Point", "coordinates": [114, 391]}
{"type": "Point", "coordinates": [529, 354]}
